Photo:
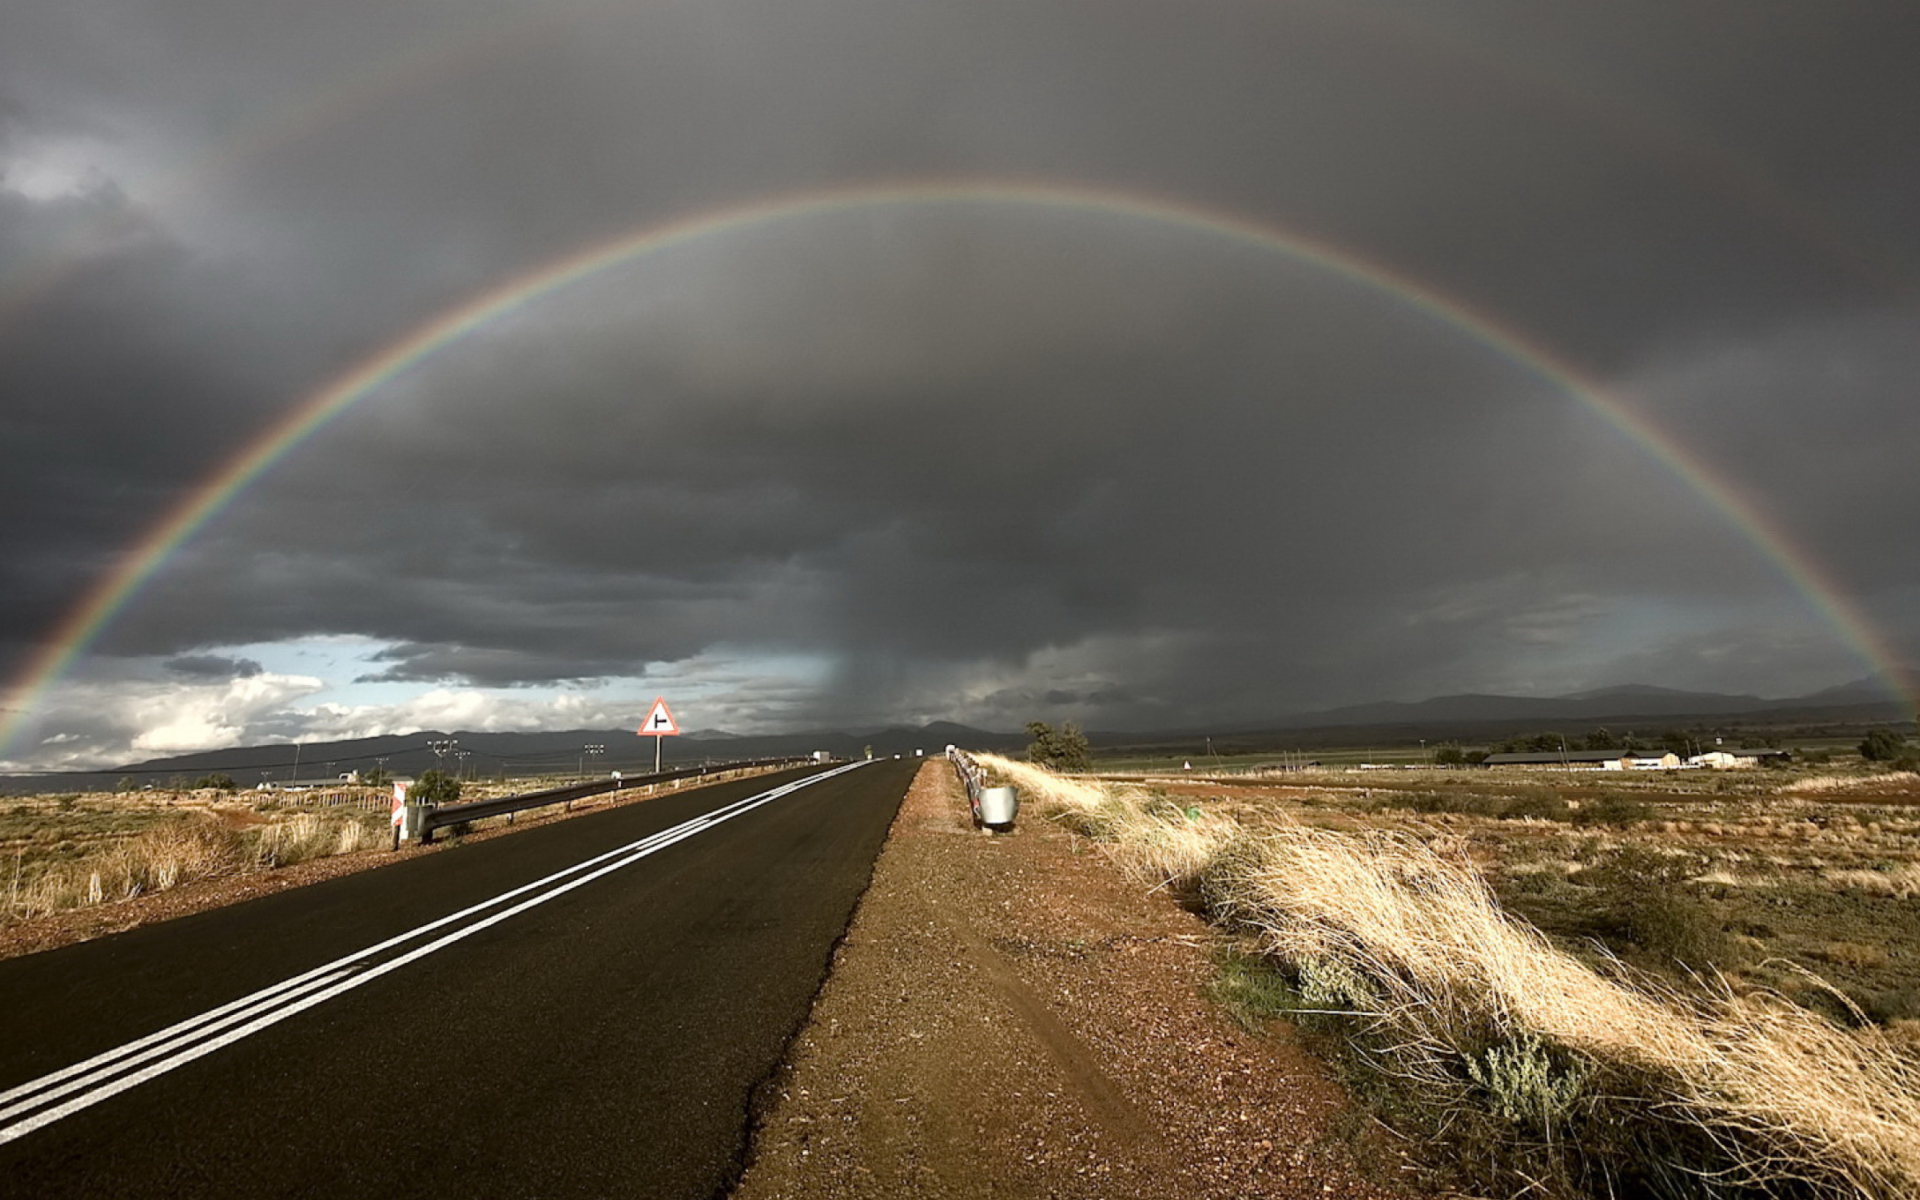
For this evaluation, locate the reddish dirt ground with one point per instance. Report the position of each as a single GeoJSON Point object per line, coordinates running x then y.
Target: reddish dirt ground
{"type": "Point", "coordinates": [1009, 1015]}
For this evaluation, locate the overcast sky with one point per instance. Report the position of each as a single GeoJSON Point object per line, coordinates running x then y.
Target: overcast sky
{"type": "Point", "coordinates": [985, 462]}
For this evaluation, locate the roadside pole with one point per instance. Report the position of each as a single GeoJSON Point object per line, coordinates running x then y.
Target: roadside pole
{"type": "Point", "coordinates": [659, 724]}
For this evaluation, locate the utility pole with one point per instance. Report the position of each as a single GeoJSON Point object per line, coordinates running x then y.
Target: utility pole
{"type": "Point", "coordinates": [442, 747]}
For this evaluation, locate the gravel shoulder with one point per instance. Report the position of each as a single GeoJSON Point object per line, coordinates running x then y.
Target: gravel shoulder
{"type": "Point", "coordinates": [1010, 1015]}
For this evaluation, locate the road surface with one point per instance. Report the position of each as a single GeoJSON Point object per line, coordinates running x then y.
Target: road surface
{"type": "Point", "coordinates": [580, 1009]}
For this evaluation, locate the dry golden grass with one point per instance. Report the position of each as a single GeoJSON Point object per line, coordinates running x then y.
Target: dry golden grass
{"type": "Point", "coordinates": [310, 835]}
{"type": "Point", "coordinates": [1378, 923]}
{"type": "Point", "coordinates": [1840, 783]}
{"type": "Point", "coordinates": [180, 851]}
{"type": "Point", "coordinates": [1853, 954]}
{"type": "Point", "coordinates": [1901, 883]}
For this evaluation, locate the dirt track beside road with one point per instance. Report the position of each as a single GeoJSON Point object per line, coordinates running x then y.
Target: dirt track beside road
{"type": "Point", "coordinates": [1010, 1015]}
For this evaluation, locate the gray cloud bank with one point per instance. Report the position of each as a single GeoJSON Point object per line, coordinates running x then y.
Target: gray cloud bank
{"type": "Point", "coordinates": [978, 461]}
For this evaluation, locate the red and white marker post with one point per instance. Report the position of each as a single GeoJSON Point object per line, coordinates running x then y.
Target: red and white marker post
{"type": "Point", "coordinates": [659, 724]}
{"type": "Point", "coordinates": [399, 809]}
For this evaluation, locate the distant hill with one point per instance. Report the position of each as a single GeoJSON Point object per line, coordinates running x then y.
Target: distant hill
{"type": "Point", "coordinates": [1629, 700]}
{"type": "Point", "coordinates": [1486, 718]}
{"type": "Point", "coordinates": [1469, 718]}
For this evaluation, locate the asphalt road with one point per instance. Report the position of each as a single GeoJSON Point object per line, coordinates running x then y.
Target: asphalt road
{"type": "Point", "coordinates": [599, 1033]}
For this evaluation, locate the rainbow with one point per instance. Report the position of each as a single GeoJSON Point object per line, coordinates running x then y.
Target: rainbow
{"type": "Point", "coordinates": [112, 593]}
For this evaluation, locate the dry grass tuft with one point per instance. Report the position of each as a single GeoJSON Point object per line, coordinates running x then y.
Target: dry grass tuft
{"type": "Point", "coordinates": [1902, 882]}
{"type": "Point", "coordinates": [305, 836]}
{"type": "Point", "coordinates": [165, 856]}
{"type": "Point", "coordinates": [1840, 783]}
{"type": "Point", "coordinates": [1626, 1081]}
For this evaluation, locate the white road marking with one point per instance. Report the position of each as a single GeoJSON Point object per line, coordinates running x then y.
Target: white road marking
{"type": "Point", "coordinates": [187, 1040]}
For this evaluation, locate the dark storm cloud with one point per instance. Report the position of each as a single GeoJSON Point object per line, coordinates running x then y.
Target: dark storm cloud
{"type": "Point", "coordinates": [980, 462]}
{"type": "Point", "coordinates": [213, 666]}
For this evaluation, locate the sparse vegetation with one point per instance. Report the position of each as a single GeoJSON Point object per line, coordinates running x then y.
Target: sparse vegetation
{"type": "Point", "coordinates": [176, 851]}
{"type": "Point", "coordinates": [1558, 1067]}
{"type": "Point", "coordinates": [71, 851]}
{"type": "Point", "coordinates": [68, 851]}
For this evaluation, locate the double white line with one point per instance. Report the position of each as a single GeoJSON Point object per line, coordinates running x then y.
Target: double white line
{"type": "Point", "coordinates": [47, 1099]}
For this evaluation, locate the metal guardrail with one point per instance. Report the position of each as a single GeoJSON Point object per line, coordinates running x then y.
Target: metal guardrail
{"type": "Point", "coordinates": [972, 777]}
{"type": "Point", "coordinates": [441, 816]}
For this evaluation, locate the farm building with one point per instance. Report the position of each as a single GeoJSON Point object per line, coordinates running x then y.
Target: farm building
{"type": "Point", "coordinates": [1746, 756]}
{"type": "Point", "coordinates": [1590, 760]}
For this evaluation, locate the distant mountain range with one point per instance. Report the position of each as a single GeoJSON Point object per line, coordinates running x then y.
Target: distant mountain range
{"type": "Point", "coordinates": [490, 754]}
{"type": "Point", "coordinates": [1863, 699]}
{"type": "Point", "coordinates": [1466, 718]}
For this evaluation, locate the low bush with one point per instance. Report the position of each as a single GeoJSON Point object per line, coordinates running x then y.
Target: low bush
{"type": "Point", "coordinates": [1251, 990]}
{"type": "Point", "coordinates": [1894, 1004]}
{"type": "Point", "coordinates": [1542, 804]}
{"type": "Point", "coordinates": [1643, 899]}
{"type": "Point", "coordinates": [1612, 810]}
{"type": "Point", "coordinates": [1529, 1082]}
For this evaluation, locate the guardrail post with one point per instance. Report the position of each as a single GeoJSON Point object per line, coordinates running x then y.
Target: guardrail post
{"type": "Point", "coordinates": [413, 824]}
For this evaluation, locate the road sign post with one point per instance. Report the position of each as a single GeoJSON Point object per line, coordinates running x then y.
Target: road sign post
{"type": "Point", "coordinates": [659, 724]}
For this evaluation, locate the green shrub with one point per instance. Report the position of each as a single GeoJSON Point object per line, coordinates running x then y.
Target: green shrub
{"type": "Point", "coordinates": [1528, 1082]}
{"type": "Point", "coordinates": [1882, 745]}
{"type": "Point", "coordinates": [1535, 883]}
{"type": "Point", "coordinates": [1674, 924]}
{"type": "Point", "coordinates": [434, 787]}
{"type": "Point", "coordinates": [1251, 989]}
{"type": "Point", "coordinates": [1335, 985]}
{"type": "Point", "coordinates": [1545, 805]}
{"type": "Point", "coordinates": [1064, 748]}
{"type": "Point", "coordinates": [1539, 803]}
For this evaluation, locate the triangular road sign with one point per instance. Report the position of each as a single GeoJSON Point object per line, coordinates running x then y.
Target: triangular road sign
{"type": "Point", "coordinates": [659, 722]}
